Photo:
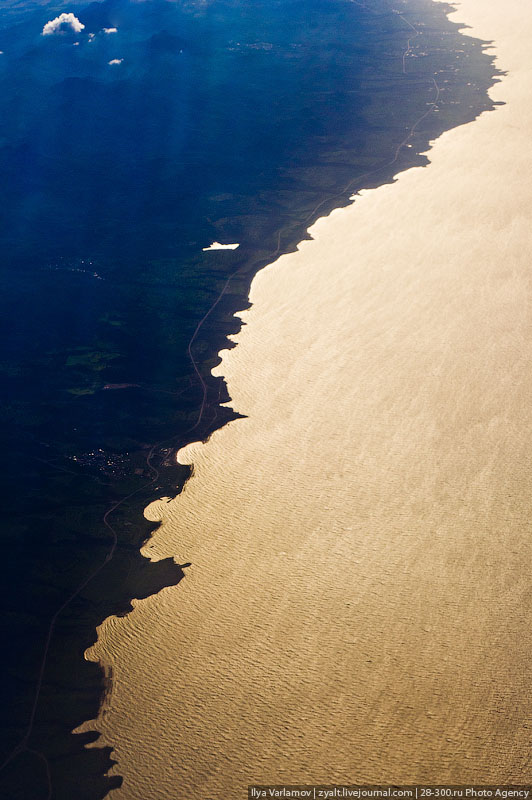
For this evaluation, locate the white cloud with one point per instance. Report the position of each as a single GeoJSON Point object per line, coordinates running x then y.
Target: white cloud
{"type": "Point", "coordinates": [116, 61]}
{"type": "Point", "coordinates": [62, 22]}
{"type": "Point", "coordinates": [218, 246]}
{"type": "Point", "coordinates": [110, 30]}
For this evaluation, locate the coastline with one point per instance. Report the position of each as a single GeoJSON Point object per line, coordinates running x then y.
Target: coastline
{"type": "Point", "coordinates": [105, 409]}
{"type": "Point", "coordinates": [364, 549]}
{"type": "Point", "coordinates": [96, 482]}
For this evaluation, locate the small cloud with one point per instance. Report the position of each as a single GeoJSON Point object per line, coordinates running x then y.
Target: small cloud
{"type": "Point", "coordinates": [110, 30]}
{"type": "Point", "coordinates": [91, 36]}
{"type": "Point", "coordinates": [61, 23]}
{"type": "Point", "coordinates": [116, 61]}
{"type": "Point", "coordinates": [76, 44]}
{"type": "Point", "coordinates": [218, 246]}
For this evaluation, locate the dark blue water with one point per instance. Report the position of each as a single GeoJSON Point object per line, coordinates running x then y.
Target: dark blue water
{"type": "Point", "coordinates": [223, 120]}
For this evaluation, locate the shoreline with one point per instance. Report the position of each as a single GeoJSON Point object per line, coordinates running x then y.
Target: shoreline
{"type": "Point", "coordinates": [76, 480]}
{"type": "Point", "coordinates": [196, 508]}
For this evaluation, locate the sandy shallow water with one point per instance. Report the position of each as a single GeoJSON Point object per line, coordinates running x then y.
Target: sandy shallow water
{"type": "Point", "coordinates": [359, 603]}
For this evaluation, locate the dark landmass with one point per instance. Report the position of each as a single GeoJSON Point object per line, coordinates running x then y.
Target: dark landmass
{"type": "Point", "coordinates": [225, 121]}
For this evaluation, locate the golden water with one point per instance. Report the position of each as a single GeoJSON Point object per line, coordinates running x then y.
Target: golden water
{"type": "Point", "coordinates": [358, 607]}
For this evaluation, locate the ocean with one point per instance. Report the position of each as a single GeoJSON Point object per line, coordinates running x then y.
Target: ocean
{"type": "Point", "coordinates": [133, 135]}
